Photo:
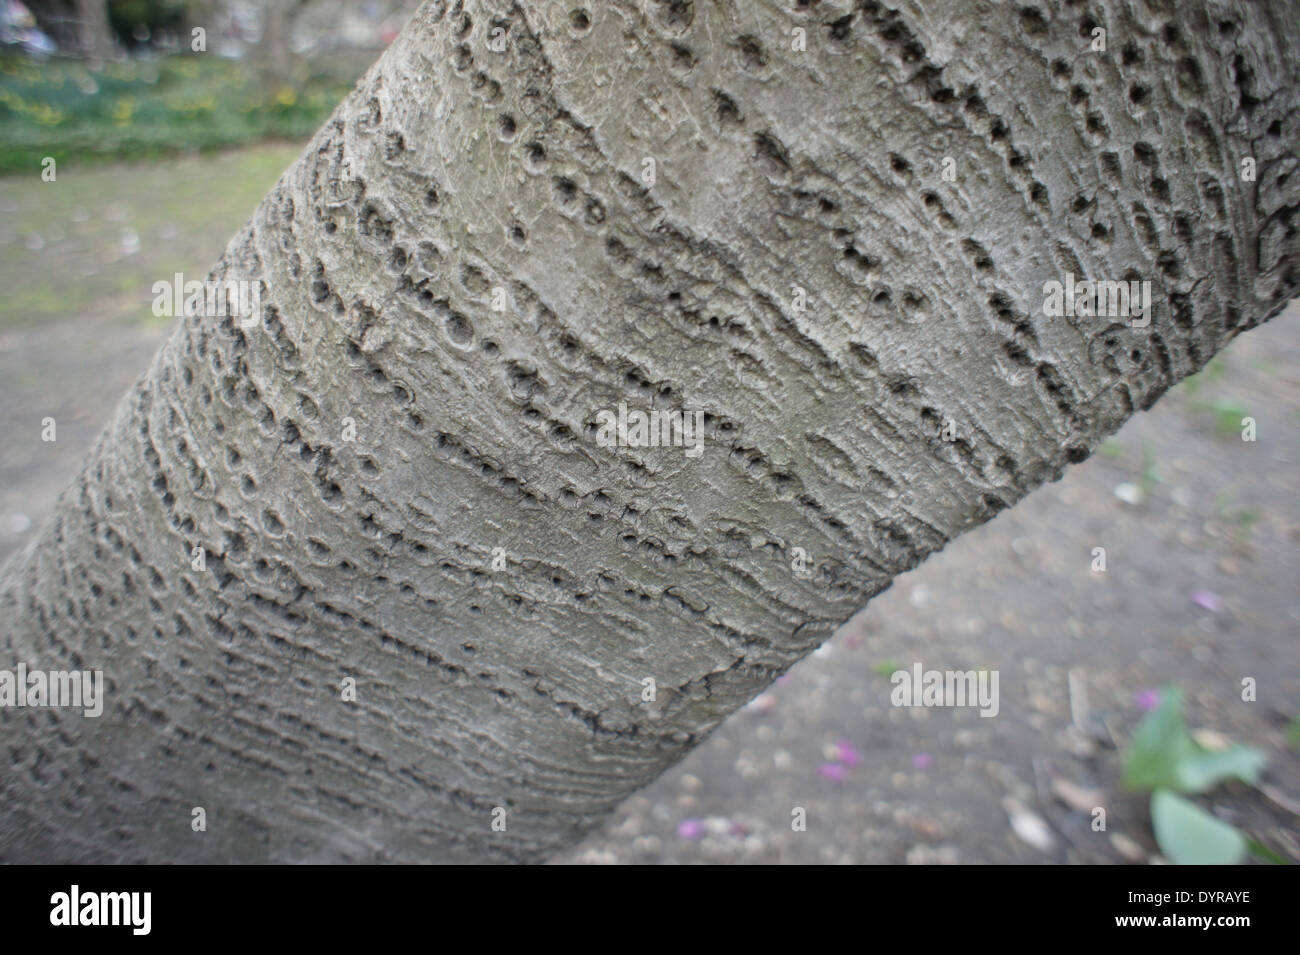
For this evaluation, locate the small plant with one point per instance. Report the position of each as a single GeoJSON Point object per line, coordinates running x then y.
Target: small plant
{"type": "Point", "coordinates": [1227, 416]}
{"type": "Point", "coordinates": [1164, 758]}
{"type": "Point", "coordinates": [1150, 476]}
{"type": "Point", "coordinates": [1293, 733]}
{"type": "Point", "coordinates": [1215, 370]}
{"type": "Point", "coordinates": [1226, 411]}
{"type": "Point", "coordinates": [1242, 519]}
{"type": "Point", "coordinates": [887, 668]}
{"type": "Point", "coordinates": [1112, 449]}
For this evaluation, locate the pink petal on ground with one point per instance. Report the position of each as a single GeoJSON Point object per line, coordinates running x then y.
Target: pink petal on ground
{"type": "Point", "coordinates": [847, 753]}
{"type": "Point", "coordinates": [832, 771]}
{"type": "Point", "coordinates": [1148, 699]}
{"type": "Point", "coordinates": [922, 760]}
{"type": "Point", "coordinates": [1207, 600]}
{"type": "Point", "coordinates": [690, 828]}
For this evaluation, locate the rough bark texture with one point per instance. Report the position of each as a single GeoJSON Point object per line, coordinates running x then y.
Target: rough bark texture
{"type": "Point", "coordinates": [454, 170]}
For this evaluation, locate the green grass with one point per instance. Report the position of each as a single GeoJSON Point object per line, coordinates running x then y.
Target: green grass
{"type": "Point", "coordinates": [62, 252]}
{"type": "Point", "coordinates": [145, 109]}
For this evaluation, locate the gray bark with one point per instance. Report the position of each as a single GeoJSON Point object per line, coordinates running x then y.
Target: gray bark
{"type": "Point", "coordinates": [453, 170]}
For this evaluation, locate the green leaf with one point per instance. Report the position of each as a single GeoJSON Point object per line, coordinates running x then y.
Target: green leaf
{"type": "Point", "coordinates": [1261, 851]}
{"type": "Point", "coordinates": [1293, 732]}
{"type": "Point", "coordinates": [1188, 835]}
{"type": "Point", "coordinates": [886, 668]}
{"type": "Point", "coordinates": [1164, 756]}
{"type": "Point", "coordinates": [1160, 744]}
{"type": "Point", "coordinates": [1203, 769]}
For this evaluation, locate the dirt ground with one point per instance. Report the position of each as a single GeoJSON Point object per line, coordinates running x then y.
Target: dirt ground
{"type": "Point", "coordinates": [1201, 531]}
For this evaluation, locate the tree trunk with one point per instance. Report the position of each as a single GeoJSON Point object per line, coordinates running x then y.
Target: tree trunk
{"type": "Point", "coordinates": [397, 476]}
{"type": "Point", "coordinates": [273, 51]}
{"type": "Point", "coordinates": [95, 40]}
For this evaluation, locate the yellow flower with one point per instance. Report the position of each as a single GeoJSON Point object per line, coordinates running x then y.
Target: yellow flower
{"type": "Point", "coordinates": [46, 115]}
{"type": "Point", "coordinates": [286, 96]}
{"type": "Point", "coordinates": [123, 109]}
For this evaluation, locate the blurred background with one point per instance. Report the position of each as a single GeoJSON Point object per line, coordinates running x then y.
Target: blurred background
{"type": "Point", "coordinates": [162, 150]}
{"type": "Point", "coordinates": [110, 80]}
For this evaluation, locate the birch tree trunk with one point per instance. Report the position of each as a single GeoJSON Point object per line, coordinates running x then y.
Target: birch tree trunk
{"type": "Point", "coordinates": [525, 215]}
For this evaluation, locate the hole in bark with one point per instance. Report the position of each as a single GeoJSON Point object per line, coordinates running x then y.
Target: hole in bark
{"type": "Point", "coordinates": [473, 279]}
{"type": "Point", "coordinates": [676, 15]}
{"type": "Point", "coordinates": [979, 254]}
{"type": "Point", "coordinates": [683, 58]}
{"type": "Point", "coordinates": [271, 523]}
{"type": "Point", "coordinates": [1032, 21]}
{"type": "Point", "coordinates": [459, 329]}
{"type": "Point", "coordinates": [394, 146]}
{"type": "Point", "coordinates": [1111, 167]}
{"type": "Point", "coordinates": [1145, 154]}
{"type": "Point", "coordinates": [751, 53]}
{"type": "Point", "coordinates": [1189, 77]}
{"type": "Point", "coordinates": [566, 191]}
{"type": "Point", "coordinates": [841, 30]}
{"type": "Point", "coordinates": [772, 153]}
{"type": "Point", "coordinates": [727, 111]}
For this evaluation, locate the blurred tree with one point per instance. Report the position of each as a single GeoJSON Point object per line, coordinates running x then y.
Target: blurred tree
{"type": "Point", "coordinates": [275, 54]}
{"type": "Point", "coordinates": [96, 40]}
{"type": "Point", "coordinates": [139, 22]}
